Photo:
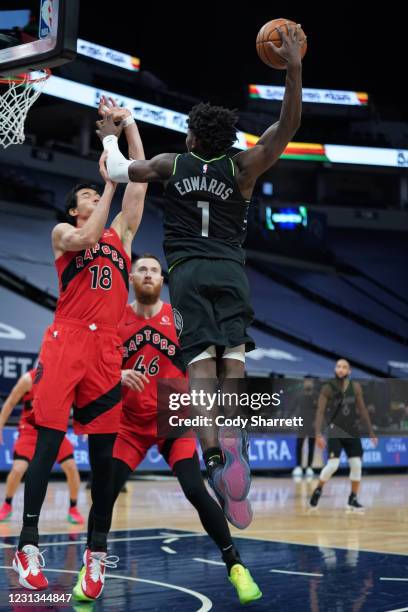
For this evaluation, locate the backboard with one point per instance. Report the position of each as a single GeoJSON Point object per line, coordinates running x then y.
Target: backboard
{"type": "Point", "coordinates": [36, 34]}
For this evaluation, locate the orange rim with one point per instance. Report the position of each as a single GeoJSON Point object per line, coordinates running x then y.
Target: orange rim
{"type": "Point", "coordinates": [26, 77]}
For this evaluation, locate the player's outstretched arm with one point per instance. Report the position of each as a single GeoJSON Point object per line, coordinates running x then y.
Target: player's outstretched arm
{"type": "Point", "coordinates": [65, 237]}
{"type": "Point", "coordinates": [127, 222]}
{"type": "Point", "coordinates": [108, 107]}
{"type": "Point", "coordinates": [122, 170]}
{"type": "Point", "coordinates": [255, 161]}
{"type": "Point", "coordinates": [23, 386]}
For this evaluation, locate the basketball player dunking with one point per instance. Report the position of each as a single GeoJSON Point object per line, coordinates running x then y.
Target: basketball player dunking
{"type": "Point", "coordinates": [208, 194]}
{"type": "Point", "coordinates": [151, 352]}
{"type": "Point", "coordinates": [80, 360]}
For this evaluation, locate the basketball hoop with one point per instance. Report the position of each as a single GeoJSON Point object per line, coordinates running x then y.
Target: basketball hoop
{"type": "Point", "coordinates": [21, 93]}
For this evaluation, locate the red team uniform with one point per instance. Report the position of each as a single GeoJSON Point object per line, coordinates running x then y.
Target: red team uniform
{"type": "Point", "coordinates": [150, 346]}
{"type": "Point", "coordinates": [24, 446]}
{"type": "Point", "coordinates": [81, 354]}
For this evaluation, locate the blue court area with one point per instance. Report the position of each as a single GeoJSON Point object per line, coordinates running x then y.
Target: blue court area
{"type": "Point", "coordinates": [180, 571]}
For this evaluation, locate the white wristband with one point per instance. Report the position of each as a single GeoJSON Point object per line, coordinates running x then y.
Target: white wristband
{"type": "Point", "coordinates": [116, 164]}
{"type": "Point", "coordinates": [128, 121]}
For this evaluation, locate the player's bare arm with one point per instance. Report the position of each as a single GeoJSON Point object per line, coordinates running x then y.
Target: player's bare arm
{"type": "Point", "coordinates": [23, 386]}
{"type": "Point", "coordinates": [364, 414]}
{"type": "Point", "coordinates": [127, 222]}
{"type": "Point", "coordinates": [252, 163]}
{"type": "Point", "coordinates": [122, 170]}
{"type": "Point", "coordinates": [65, 237]}
{"type": "Point", "coordinates": [321, 409]}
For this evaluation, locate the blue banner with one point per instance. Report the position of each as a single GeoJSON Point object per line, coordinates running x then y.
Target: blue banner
{"type": "Point", "coordinates": [277, 453]}
{"type": "Point", "coordinates": [14, 364]}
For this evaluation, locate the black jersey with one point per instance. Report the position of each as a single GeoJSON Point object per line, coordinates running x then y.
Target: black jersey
{"type": "Point", "coordinates": [342, 413]}
{"type": "Point", "coordinates": [205, 214]}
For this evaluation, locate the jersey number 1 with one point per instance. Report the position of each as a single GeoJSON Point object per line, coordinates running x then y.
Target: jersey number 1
{"type": "Point", "coordinates": [205, 210]}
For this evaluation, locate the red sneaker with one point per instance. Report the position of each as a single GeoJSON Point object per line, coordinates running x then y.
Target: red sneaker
{"type": "Point", "coordinates": [5, 511]}
{"type": "Point", "coordinates": [74, 516]}
{"type": "Point", "coordinates": [28, 563]}
{"type": "Point", "coordinates": [93, 579]}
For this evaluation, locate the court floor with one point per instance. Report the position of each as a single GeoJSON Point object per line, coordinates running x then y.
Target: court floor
{"type": "Point", "coordinates": [323, 561]}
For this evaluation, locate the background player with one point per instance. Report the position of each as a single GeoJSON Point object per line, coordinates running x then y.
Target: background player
{"type": "Point", "coordinates": [24, 447]}
{"type": "Point", "coordinates": [344, 399]}
{"type": "Point", "coordinates": [205, 218]}
{"type": "Point", "coordinates": [151, 352]}
{"type": "Point", "coordinates": [305, 405]}
{"type": "Point", "coordinates": [80, 360]}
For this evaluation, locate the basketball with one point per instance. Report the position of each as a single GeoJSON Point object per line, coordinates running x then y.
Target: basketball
{"type": "Point", "coordinates": [270, 33]}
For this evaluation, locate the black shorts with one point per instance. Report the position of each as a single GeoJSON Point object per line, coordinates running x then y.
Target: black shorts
{"type": "Point", "coordinates": [211, 305]}
{"type": "Point", "coordinates": [351, 446]}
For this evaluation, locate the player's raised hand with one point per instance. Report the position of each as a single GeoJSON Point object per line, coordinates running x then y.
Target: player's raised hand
{"type": "Point", "coordinates": [107, 127]}
{"type": "Point", "coordinates": [134, 380]}
{"type": "Point", "coordinates": [108, 107]}
{"type": "Point", "coordinates": [292, 42]}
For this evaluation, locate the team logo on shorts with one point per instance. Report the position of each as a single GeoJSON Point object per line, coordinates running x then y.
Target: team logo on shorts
{"type": "Point", "coordinates": [178, 322]}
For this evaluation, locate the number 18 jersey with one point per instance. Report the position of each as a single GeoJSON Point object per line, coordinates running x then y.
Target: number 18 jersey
{"type": "Point", "coordinates": [94, 283]}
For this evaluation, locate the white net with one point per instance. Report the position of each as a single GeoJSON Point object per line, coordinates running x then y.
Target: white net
{"type": "Point", "coordinates": [15, 102]}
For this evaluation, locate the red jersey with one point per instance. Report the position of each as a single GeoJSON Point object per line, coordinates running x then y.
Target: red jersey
{"type": "Point", "coordinates": [94, 283]}
{"type": "Point", "coordinates": [27, 401]}
{"type": "Point", "coordinates": [151, 347]}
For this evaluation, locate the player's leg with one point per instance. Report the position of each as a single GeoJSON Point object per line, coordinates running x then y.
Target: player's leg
{"type": "Point", "coordinates": [236, 474]}
{"type": "Point", "coordinates": [298, 470]}
{"type": "Point", "coordinates": [70, 470]}
{"type": "Point", "coordinates": [233, 315]}
{"type": "Point", "coordinates": [15, 476]}
{"type": "Point", "coordinates": [354, 451]}
{"type": "Point", "coordinates": [202, 372]}
{"type": "Point", "coordinates": [197, 332]}
{"type": "Point", "coordinates": [310, 455]}
{"type": "Point", "coordinates": [203, 375]}
{"type": "Point", "coordinates": [61, 359]}
{"type": "Point", "coordinates": [334, 450]}
{"type": "Point", "coordinates": [91, 578]}
{"type": "Point", "coordinates": [97, 413]}
{"type": "Point", "coordinates": [100, 459]}
{"type": "Point", "coordinates": [186, 467]}
{"type": "Point", "coordinates": [125, 454]}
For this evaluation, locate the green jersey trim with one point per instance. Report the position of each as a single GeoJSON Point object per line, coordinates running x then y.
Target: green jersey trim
{"type": "Point", "coordinates": [175, 163]}
{"type": "Point", "coordinates": [208, 161]}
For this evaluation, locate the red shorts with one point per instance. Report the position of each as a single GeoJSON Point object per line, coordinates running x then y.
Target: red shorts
{"type": "Point", "coordinates": [79, 366]}
{"type": "Point", "coordinates": [132, 443]}
{"type": "Point", "coordinates": [24, 446]}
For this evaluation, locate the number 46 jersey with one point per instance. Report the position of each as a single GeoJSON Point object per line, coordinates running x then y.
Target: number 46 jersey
{"type": "Point", "coordinates": [205, 214]}
{"type": "Point", "coordinates": [150, 346]}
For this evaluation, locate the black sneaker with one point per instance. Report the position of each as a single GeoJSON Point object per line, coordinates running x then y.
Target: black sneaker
{"type": "Point", "coordinates": [314, 500]}
{"type": "Point", "coordinates": [354, 505]}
